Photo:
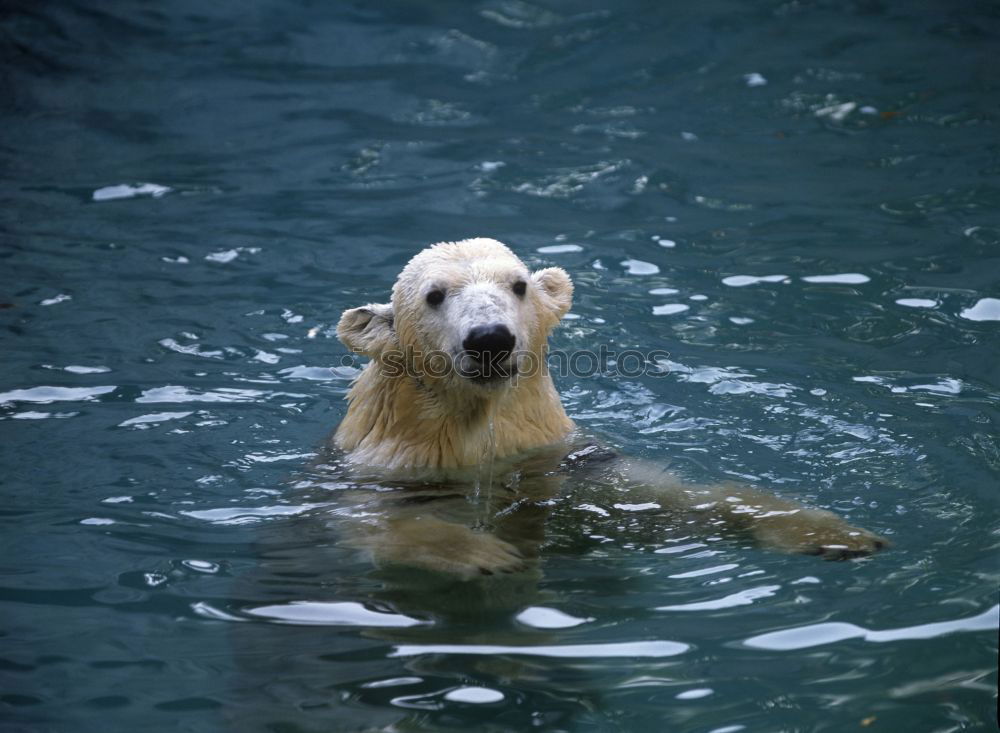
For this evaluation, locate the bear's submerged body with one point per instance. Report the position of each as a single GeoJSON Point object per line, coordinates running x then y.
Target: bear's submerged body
{"type": "Point", "coordinates": [456, 403]}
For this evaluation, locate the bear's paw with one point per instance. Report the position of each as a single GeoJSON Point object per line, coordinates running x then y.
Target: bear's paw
{"type": "Point", "coordinates": [445, 547]}
{"type": "Point", "coordinates": [816, 532]}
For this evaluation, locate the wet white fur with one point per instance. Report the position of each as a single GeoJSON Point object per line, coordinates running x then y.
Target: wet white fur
{"type": "Point", "coordinates": [431, 419]}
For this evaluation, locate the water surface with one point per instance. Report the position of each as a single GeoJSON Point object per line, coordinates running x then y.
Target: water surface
{"type": "Point", "coordinates": [797, 200]}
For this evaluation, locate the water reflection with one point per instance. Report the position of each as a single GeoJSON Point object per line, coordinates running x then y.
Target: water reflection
{"type": "Point", "coordinates": [192, 196]}
{"type": "Point", "coordinates": [829, 633]}
{"type": "Point", "coordinates": [630, 650]}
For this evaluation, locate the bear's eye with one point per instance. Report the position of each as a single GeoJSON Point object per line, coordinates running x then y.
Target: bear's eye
{"type": "Point", "coordinates": [435, 297]}
{"type": "Point", "coordinates": [520, 288]}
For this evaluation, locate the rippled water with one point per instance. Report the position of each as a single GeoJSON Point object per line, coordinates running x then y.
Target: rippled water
{"type": "Point", "coordinates": [797, 200]}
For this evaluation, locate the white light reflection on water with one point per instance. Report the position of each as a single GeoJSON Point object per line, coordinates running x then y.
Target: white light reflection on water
{"type": "Point", "coordinates": [76, 369]}
{"type": "Point", "coordinates": [705, 571]}
{"type": "Point", "coordinates": [741, 281]}
{"type": "Point", "coordinates": [846, 278]}
{"type": "Point", "coordinates": [652, 648]}
{"type": "Point", "coordinates": [45, 395]}
{"type": "Point", "coordinates": [174, 393]}
{"type": "Point", "coordinates": [669, 309]}
{"type": "Point", "coordinates": [153, 418]}
{"type": "Point", "coordinates": [639, 267]}
{"type": "Point", "coordinates": [125, 191]}
{"type": "Point", "coordinates": [320, 373]}
{"type": "Point", "coordinates": [540, 617]}
{"type": "Point", "coordinates": [343, 613]}
{"type": "Point", "coordinates": [34, 415]}
{"type": "Point", "coordinates": [248, 515]}
{"type": "Point", "coordinates": [695, 694]}
{"type": "Point", "coordinates": [474, 695]}
{"type": "Point", "coordinates": [558, 249]}
{"type": "Point", "coordinates": [985, 309]}
{"type": "Point", "coordinates": [743, 598]}
{"type": "Point", "coordinates": [828, 633]}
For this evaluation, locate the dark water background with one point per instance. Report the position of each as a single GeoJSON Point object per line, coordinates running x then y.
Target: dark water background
{"type": "Point", "coordinates": [191, 194]}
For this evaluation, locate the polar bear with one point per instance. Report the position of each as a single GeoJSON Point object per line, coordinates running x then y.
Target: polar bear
{"type": "Point", "coordinates": [457, 379]}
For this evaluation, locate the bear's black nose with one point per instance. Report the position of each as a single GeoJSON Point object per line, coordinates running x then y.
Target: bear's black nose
{"type": "Point", "coordinates": [490, 342]}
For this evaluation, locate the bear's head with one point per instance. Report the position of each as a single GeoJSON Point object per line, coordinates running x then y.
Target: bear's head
{"type": "Point", "coordinates": [464, 315]}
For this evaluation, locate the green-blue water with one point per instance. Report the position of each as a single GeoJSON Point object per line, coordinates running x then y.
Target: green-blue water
{"type": "Point", "coordinates": [193, 192]}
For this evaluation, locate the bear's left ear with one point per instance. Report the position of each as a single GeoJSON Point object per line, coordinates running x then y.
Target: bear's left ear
{"type": "Point", "coordinates": [367, 330]}
{"type": "Point", "coordinates": [556, 287]}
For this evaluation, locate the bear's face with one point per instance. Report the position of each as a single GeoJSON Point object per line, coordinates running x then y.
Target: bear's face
{"type": "Point", "coordinates": [464, 314]}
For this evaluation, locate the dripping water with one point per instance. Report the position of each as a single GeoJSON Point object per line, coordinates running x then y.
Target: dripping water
{"type": "Point", "coordinates": [482, 494]}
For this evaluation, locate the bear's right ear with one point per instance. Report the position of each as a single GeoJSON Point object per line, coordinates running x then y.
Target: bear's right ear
{"type": "Point", "coordinates": [367, 330]}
